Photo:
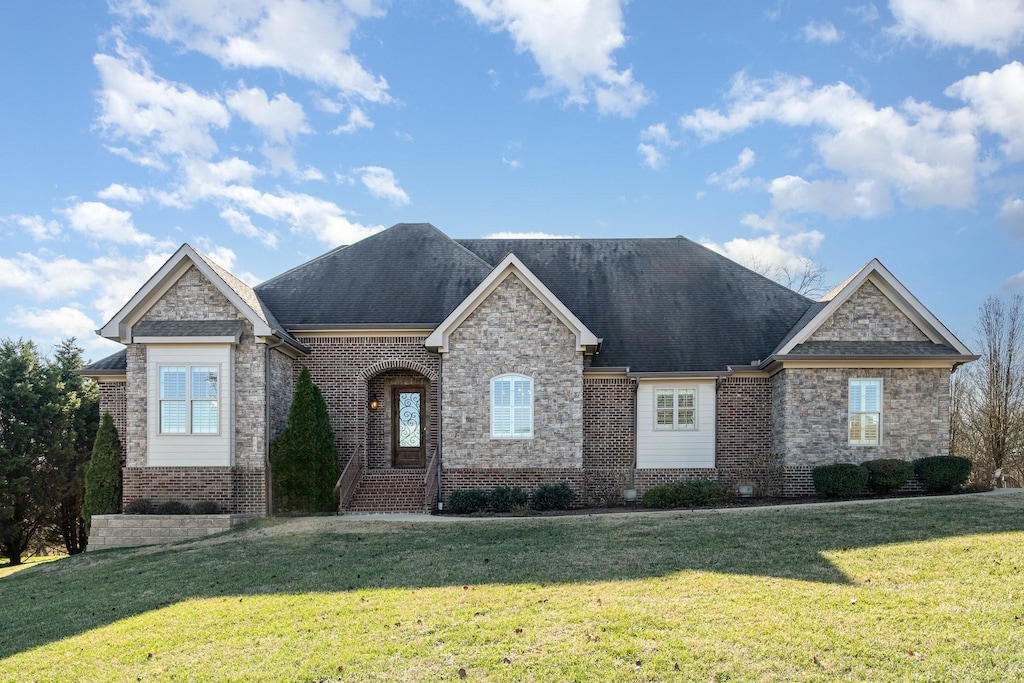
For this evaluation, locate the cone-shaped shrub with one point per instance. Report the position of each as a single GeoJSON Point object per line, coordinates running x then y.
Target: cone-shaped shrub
{"type": "Point", "coordinates": [303, 460]}
{"type": "Point", "coordinates": [103, 473]}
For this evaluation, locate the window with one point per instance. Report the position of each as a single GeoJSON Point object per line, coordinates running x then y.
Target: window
{"type": "Point", "coordinates": [188, 399]}
{"type": "Point", "coordinates": [675, 408]}
{"type": "Point", "coordinates": [512, 407]}
{"type": "Point", "coordinates": [865, 412]}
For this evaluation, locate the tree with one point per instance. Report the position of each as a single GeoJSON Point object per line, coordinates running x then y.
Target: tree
{"type": "Point", "coordinates": [806, 277]}
{"type": "Point", "coordinates": [303, 459]}
{"type": "Point", "coordinates": [103, 474]}
{"type": "Point", "coordinates": [987, 410]}
{"type": "Point", "coordinates": [47, 421]}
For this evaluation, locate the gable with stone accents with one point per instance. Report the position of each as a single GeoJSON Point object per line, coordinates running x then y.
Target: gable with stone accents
{"type": "Point", "coordinates": [450, 364]}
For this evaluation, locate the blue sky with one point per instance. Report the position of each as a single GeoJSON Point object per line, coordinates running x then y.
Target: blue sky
{"type": "Point", "coordinates": [265, 132]}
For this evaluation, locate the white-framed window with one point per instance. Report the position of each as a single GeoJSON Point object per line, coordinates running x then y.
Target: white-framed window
{"type": "Point", "coordinates": [675, 409]}
{"type": "Point", "coordinates": [188, 399]}
{"type": "Point", "coordinates": [512, 407]}
{"type": "Point", "coordinates": [865, 412]}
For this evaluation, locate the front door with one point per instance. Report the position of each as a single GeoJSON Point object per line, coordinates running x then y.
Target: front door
{"type": "Point", "coordinates": [408, 427]}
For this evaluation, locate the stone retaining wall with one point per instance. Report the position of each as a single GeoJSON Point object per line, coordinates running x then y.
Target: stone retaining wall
{"type": "Point", "coordinates": [125, 531]}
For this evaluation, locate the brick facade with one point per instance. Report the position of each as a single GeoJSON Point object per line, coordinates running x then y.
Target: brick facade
{"type": "Point", "coordinates": [609, 438]}
{"type": "Point", "coordinates": [113, 401]}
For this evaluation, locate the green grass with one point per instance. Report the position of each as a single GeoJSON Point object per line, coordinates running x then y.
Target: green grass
{"type": "Point", "coordinates": [923, 589]}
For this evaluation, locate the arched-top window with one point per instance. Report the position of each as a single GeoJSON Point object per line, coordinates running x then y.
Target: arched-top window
{"type": "Point", "coordinates": [512, 407]}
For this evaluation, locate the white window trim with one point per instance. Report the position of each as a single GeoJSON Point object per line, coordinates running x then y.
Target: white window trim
{"type": "Point", "coordinates": [512, 376]}
{"type": "Point", "coordinates": [188, 400]}
{"type": "Point", "coordinates": [675, 410]}
{"type": "Point", "coordinates": [850, 412]}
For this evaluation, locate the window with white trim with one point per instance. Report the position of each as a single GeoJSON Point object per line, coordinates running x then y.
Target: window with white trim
{"type": "Point", "coordinates": [675, 409]}
{"type": "Point", "coordinates": [188, 399]}
{"type": "Point", "coordinates": [512, 407]}
{"type": "Point", "coordinates": [865, 412]}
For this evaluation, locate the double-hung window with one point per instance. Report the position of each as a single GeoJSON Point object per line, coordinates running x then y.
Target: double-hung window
{"type": "Point", "coordinates": [865, 412]}
{"type": "Point", "coordinates": [675, 408]}
{"type": "Point", "coordinates": [512, 407]}
{"type": "Point", "coordinates": [188, 399]}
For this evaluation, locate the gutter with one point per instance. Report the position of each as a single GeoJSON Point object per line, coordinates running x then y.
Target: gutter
{"type": "Point", "coordinates": [956, 359]}
{"type": "Point", "coordinates": [680, 375]}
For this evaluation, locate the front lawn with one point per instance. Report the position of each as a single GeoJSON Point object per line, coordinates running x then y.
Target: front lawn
{"type": "Point", "coordinates": [928, 589]}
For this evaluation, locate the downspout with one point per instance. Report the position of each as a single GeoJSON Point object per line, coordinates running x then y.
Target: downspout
{"type": "Point", "coordinates": [440, 426]}
{"type": "Point", "coordinates": [636, 433]}
{"type": "Point", "coordinates": [266, 427]}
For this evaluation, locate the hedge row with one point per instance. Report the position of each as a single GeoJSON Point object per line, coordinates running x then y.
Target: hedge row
{"type": "Point", "coordinates": [144, 506]}
{"type": "Point", "coordinates": [696, 493]}
{"type": "Point", "coordinates": [510, 499]}
{"type": "Point", "coordinates": [938, 474]}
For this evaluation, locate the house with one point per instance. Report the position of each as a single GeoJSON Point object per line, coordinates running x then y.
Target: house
{"type": "Point", "coordinates": [449, 364]}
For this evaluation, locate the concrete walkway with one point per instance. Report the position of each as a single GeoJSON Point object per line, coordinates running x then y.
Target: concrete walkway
{"type": "Point", "coordinates": [420, 517]}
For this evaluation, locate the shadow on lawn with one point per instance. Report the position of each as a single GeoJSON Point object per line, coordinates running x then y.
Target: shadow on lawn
{"type": "Point", "coordinates": [78, 594]}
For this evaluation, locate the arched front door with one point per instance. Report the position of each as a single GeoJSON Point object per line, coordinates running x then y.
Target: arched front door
{"type": "Point", "coordinates": [408, 427]}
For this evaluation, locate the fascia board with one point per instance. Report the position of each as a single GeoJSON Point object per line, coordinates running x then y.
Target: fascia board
{"type": "Point", "coordinates": [438, 338]}
{"type": "Point", "coordinates": [187, 340]}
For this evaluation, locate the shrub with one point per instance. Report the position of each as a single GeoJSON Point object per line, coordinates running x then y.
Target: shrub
{"type": "Point", "coordinates": [139, 506]}
{"type": "Point", "coordinates": [507, 498]}
{"type": "Point", "coordinates": [942, 473]}
{"type": "Point", "coordinates": [206, 507]}
{"type": "Point", "coordinates": [467, 501]}
{"type": "Point", "coordinates": [839, 481]}
{"type": "Point", "coordinates": [888, 474]}
{"type": "Point", "coordinates": [303, 459]}
{"type": "Point", "coordinates": [696, 493]}
{"type": "Point", "coordinates": [661, 497]}
{"type": "Point", "coordinates": [553, 496]}
{"type": "Point", "coordinates": [103, 473]}
{"type": "Point", "coordinates": [172, 507]}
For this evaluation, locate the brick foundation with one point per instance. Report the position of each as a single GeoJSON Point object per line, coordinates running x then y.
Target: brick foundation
{"type": "Point", "coordinates": [236, 490]}
{"type": "Point", "coordinates": [526, 479]}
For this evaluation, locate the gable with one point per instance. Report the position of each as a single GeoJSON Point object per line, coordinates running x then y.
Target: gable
{"type": "Point", "coordinates": [191, 297]}
{"type": "Point", "coordinates": [868, 315]}
{"type": "Point", "coordinates": [511, 267]}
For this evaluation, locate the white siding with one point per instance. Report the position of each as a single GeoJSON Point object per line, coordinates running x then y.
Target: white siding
{"type": "Point", "coordinates": [189, 450]}
{"type": "Point", "coordinates": [675, 447]}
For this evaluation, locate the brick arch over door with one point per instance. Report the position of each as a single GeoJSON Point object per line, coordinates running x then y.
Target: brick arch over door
{"type": "Point", "coordinates": [386, 365]}
{"type": "Point", "coordinates": [381, 380]}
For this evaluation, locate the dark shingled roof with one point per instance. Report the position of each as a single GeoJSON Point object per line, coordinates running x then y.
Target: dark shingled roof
{"type": "Point", "coordinates": [661, 305]}
{"type": "Point", "coordinates": [410, 274]}
{"type": "Point", "coordinates": [188, 328]}
{"type": "Point", "coordinates": [872, 348]}
{"type": "Point", "coordinates": [114, 364]}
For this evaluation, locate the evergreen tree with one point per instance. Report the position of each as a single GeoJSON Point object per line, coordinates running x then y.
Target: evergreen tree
{"type": "Point", "coordinates": [303, 459]}
{"type": "Point", "coordinates": [103, 474]}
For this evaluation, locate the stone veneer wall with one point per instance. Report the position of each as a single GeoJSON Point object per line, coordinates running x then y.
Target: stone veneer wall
{"type": "Point", "coordinates": [868, 315]}
{"type": "Point", "coordinates": [915, 418]}
{"type": "Point", "coordinates": [113, 401]}
{"type": "Point", "coordinates": [241, 488]}
{"type": "Point", "coordinates": [127, 531]}
{"type": "Point", "coordinates": [513, 332]}
{"type": "Point", "coordinates": [343, 367]}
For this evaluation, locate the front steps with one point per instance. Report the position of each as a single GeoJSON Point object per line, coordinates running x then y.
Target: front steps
{"type": "Point", "coordinates": [388, 491]}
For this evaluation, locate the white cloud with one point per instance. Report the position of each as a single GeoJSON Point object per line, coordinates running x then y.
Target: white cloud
{"type": "Point", "coordinates": [308, 39]}
{"type": "Point", "coordinates": [997, 100]}
{"type": "Point", "coordinates": [143, 108]}
{"type": "Point", "coordinates": [824, 32]}
{"type": "Point", "coordinates": [102, 222]}
{"type": "Point", "coordinates": [654, 141]}
{"type": "Point", "coordinates": [1011, 215]}
{"type": "Point", "coordinates": [528, 236]}
{"type": "Point", "coordinates": [281, 119]}
{"type": "Point", "coordinates": [774, 256]}
{"type": "Point", "coordinates": [357, 119]}
{"type": "Point", "coordinates": [37, 226]}
{"type": "Point", "coordinates": [242, 224]}
{"type": "Point", "coordinates": [117, 192]}
{"type": "Point", "coordinates": [59, 322]}
{"type": "Point", "coordinates": [572, 43]}
{"type": "Point", "coordinates": [866, 13]}
{"type": "Point", "coordinates": [512, 163]}
{"type": "Point", "coordinates": [996, 25]}
{"type": "Point", "coordinates": [732, 178]}
{"type": "Point", "coordinates": [923, 155]}
{"type": "Point", "coordinates": [381, 183]}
